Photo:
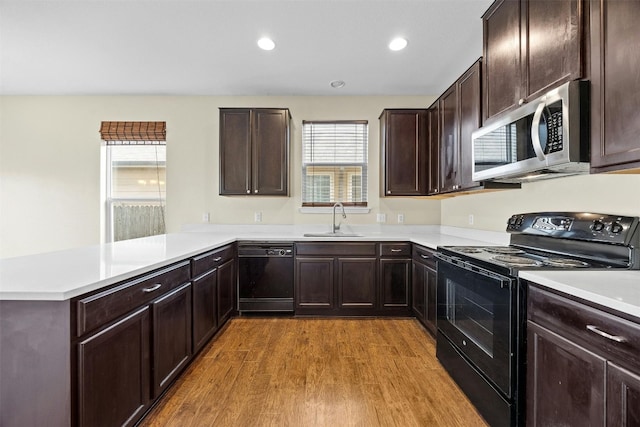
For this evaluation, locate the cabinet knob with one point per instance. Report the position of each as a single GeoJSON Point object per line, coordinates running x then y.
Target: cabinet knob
{"type": "Point", "coordinates": [248, 191]}
{"type": "Point", "coordinates": [255, 191]}
{"type": "Point", "coordinates": [388, 191]}
{"type": "Point", "coordinates": [521, 101]}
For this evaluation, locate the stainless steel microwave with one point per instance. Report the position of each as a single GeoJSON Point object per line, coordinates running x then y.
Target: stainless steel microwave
{"type": "Point", "coordinates": [545, 138]}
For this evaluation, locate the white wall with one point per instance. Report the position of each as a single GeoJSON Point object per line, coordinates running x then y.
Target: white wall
{"type": "Point", "coordinates": [50, 164]}
{"type": "Point", "coordinates": [602, 193]}
{"type": "Point", "coordinates": [50, 170]}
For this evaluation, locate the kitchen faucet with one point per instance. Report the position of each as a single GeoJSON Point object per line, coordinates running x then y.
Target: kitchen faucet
{"type": "Point", "coordinates": [335, 228]}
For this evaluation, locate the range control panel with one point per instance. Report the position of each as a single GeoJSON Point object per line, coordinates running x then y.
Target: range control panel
{"type": "Point", "coordinates": [578, 226]}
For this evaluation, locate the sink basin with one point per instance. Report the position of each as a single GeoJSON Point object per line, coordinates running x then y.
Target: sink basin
{"type": "Point", "coordinates": [330, 234]}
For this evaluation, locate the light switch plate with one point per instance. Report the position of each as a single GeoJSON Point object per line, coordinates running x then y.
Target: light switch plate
{"type": "Point", "coordinates": [381, 217]}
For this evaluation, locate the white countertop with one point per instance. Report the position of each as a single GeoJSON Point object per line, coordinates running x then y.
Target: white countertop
{"type": "Point", "coordinates": [619, 290]}
{"type": "Point", "coordinates": [59, 276]}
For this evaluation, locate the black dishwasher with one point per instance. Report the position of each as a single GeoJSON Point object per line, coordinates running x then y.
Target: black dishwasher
{"type": "Point", "coordinates": [265, 277]}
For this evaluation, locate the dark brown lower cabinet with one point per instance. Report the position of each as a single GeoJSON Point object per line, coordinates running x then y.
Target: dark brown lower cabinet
{"type": "Point", "coordinates": [314, 281]}
{"type": "Point", "coordinates": [424, 285]}
{"type": "Point", "coordinates": [623, 397]}
{"type": "Point", "coordinates": [226, 291]}
{"type": "Point", "coordinates": [565, 382]}
{"type": "Point", "coordinates": [205, 313]}
{"type": "Point", "coordinates": [357, 283]}
{"type": "Point", "coordinates": [583, 363]}
{"type": "Point", "coordinates": [395, 287]}
{"type": "Point", "coordinates": [113, 373]}
{"type": "Point", "coordinates": [171, 336]}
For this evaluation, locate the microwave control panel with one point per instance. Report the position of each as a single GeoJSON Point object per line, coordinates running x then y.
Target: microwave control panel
{"type": "Point", "coordinates": [554, 132]}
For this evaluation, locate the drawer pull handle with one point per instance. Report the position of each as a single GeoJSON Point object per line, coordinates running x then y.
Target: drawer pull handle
{"type": "Point", "coordinates": [423, 256]}
{"type": "Point", "coordinates": [152, 288]}
{"type": "Point", "coordinates": [396, 250]}
{"type": "Point", "coordinates": [616, 338]}
{"type": "Point", "coordinates": [218, 259]}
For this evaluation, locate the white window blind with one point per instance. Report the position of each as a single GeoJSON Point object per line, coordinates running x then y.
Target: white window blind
{"type": "Point", "coordinates": [334, 163]}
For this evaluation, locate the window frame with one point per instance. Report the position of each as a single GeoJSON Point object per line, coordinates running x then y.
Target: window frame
{"type": "Point", "coordinates": [348, 187]}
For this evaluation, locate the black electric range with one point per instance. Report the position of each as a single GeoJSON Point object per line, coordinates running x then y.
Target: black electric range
{"type": "Point", "coordinates": [481, 311]}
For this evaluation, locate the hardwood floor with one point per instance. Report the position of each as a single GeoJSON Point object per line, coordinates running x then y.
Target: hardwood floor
{"type": "Point", "coordinates": [316, 372]}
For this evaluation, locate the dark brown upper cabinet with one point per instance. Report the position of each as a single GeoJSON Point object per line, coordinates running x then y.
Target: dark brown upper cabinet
{"type": "Point", "coordinates": [433, 123]}
{"type": "Point", "coordinates": [460, 114]}
{"type": "Point", "coordinates": [529, 47]}
{"type": "Point", "coordinates": [615, 86]}
{"type": "Point", "coordinates": [254, 151]}
{"type": "Point", "coordinates": [405, 152]}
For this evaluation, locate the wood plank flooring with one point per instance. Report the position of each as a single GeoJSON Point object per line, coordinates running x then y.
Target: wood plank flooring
{"type": "Point", "coordinates": [316, 372]}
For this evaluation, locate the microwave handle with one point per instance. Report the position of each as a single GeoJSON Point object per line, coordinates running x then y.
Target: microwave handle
{"type": "Point", "coordinates": [535, 131]}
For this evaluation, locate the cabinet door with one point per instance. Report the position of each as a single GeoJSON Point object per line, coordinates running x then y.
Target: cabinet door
{"type": "Point", "coordinates": [565, 382]}
{"type": "Point", "coordinates": [470, 120]}
{"type": "Point", "coordinates": [226, 296]}
{"type": "Point", "coordinates": [615, 86]}
{"type": "Point", "coordinates": [205, 318]}
{"type": "Point", "coordinates": [553, 33]}
{"type": "Point", "coordinates": [235, 151]}
{"type": "Point", "coordinates": [449, 153]}
{"type": "Point", "coordinates": [623, 397]}
{"type": "Point", "coordinates": [394, 282]}
{"type": "Point", "coordinates": [405, 152]}
{"type": "Point", "coordinates": [418, 291]}
{"type": "Point", "coordinates": [314, 283]}
{"type": "Point", "coordinates": [501, 57]}
{"type": "Point", "coordinates": [431, 287]}
{"type": "Point", "coordinates": [171, 336]}
{"type": "Point", "coordinates": [357, 282]}
{"type": "Point", "coordinates": [113, 373]}
{"type": "Point", "coordinates": [270, 152]}
{"type": "Point", "coordinates": [434, 149]}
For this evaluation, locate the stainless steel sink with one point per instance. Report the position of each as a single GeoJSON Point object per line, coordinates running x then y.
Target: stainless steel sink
{"type": "Point", "coordinates": [330, 234]}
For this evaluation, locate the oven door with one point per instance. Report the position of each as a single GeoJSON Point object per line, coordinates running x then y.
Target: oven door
{"type": "Point", "coordinates": [477, 313]}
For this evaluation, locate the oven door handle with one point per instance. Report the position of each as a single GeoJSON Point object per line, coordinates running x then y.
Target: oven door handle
{"type": "Point", "coordinates": [459, 262]}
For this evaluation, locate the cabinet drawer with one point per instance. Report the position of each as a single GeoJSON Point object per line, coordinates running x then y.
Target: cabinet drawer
{"type": "Point", "coordinates": [337, 249]}
{"type": "Point", "coordinates": [98, 309]}
{"type": "Point", "coordinates": [210, 260]}
{"type": "Point", "coordinates": [618, 338]}
{"type": "Point", "coordinates": [395, 249]}
{"type": "Point", "coordinates": [424, 256]}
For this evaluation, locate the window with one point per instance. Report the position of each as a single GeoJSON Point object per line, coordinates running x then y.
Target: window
{"type": "Point", "coordinates": [135, 182]}
{"type": "Point", "coordinates": [334, 163]}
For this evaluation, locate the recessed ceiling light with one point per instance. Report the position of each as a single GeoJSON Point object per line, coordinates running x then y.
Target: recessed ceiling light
{"type": "Point", "coordinates": [398, 43]}
{"type": "Point", "coordinates": [337, 84]}
{"type": "Point", "coordinates": [266, 43]}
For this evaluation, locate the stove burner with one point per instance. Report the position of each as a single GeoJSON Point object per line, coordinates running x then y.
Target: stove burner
{"type": "Point", "coordinates": [565, 262]}
{"type": "Point", "coordinates": [506, 250]}
{"type": "Point", "coordinates": [517, 261]}
{"type": "Point", "coordinates": [469, 249]}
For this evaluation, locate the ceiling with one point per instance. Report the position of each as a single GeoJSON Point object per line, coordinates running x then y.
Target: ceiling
{"type": "Point", "coordinates": [208, 47]}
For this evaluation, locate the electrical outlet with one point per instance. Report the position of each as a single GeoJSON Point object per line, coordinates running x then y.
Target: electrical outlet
{"type": "Point", "coordinates": [205, 217]}
{"type": "Point", "coordinates": [470, 219]}
{"type": "Point", "coordinates": [381, 217]}
{"type": "Point", "coordinates": [400, 218]}
{"type": "Point", "coordinates": [257, 217]}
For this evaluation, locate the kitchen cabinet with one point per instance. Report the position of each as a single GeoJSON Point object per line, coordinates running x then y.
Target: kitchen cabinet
{"type": "Point", "coordinates": [254, 151]}
{"type": "Point", "coordinates": [114, 366]}
{"type": "Point", "coordinates": [213, 292]}
{"type": "Point", "coordinates": [335, 278]}
{"type": "Point", "coordinates": [395, 275]}
{"type": "Point", "coordinates": [433, 123]}
{"type": "Point", "coordinates": [529, 47]}
{"type": "Point", "coordinates": [171, 336]}
{"type": "Point", "coordinates": [460, 115]}
{"type": "Point", "coordinates": [424, 285]}
{"type": "Point", "coordinates": [583, 363]}
{"type": "Point", "coordinates": [133, 340]}
{"type": "Point", "coordinates": [615, 87]}
{"type": "Point", "coordinates": [405, 152]}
